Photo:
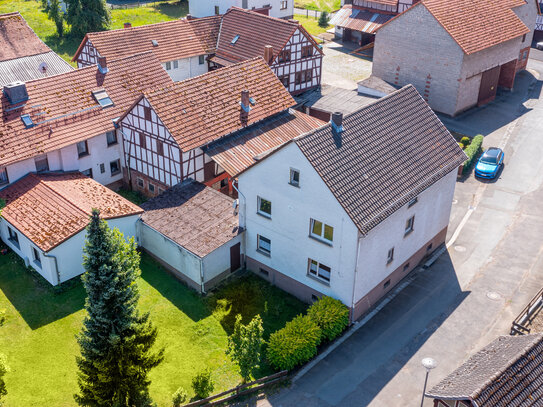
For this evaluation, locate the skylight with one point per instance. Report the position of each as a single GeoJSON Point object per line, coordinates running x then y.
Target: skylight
{"type": "Point", "coordinates": [102, 98]}
{"type": "Point", "coordinates": [235, 39]}
{"type": "Point", "coordinates": [155, 43]}
{"type": "Point", "coordinates": [27, 120]}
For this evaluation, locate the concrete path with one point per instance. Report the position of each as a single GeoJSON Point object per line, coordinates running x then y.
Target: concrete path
{"type": "Point", "coordinates": [470, 295]}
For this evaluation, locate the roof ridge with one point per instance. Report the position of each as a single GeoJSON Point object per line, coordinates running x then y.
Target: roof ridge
{"type": "Point", "coordinates": [45, 184]}
{"type": "Point", "coordinates": [136, 28]}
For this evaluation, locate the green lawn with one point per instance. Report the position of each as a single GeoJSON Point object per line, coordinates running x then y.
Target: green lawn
{"type": "Point", "coordinates": [133, 196]}
{"type": "Point", "coordinates": [311, 24]}
{"type": "Point", "coordinates": [67, 46]}
{"type": "Point", "coordinates": [323, 5]}
{"type": "Point", "coordinates": [39, 335]}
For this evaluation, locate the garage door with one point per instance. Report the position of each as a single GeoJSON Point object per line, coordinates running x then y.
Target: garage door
{"type": "Point", "coordinates": [489, 86]}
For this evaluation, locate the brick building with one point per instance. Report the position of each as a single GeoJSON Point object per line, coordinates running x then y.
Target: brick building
{"type": "Point", "coordinates": [456, 56]}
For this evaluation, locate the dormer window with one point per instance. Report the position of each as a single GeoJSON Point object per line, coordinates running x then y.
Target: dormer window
{"type": "Point", "coordinates": [235, 39]}
{"type": "Point", "coordinates": [102, 98]}
{"type": "Point", "coordinates": [27, 120]}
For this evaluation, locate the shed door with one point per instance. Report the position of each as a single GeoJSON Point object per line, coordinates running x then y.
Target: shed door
{"type": "Point", "coordinates": [235, 257]}
{"type": "Point", "coordinates": [489, 85]}
{"type": "Point", "coordinates": [347, 34]}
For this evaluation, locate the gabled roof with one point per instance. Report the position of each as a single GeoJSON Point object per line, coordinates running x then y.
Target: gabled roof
{"type": "Point", "coordinates": [25, 69]}
{"type": "Point", "coordinates": [207, 30]}
{"type": "Point", "coordinates": [50, 208]}
{"type": "Point", "coordinates": [64, 110]}
{"type": "Point", "coordinates": [176, 40]}
{"type": "Point", "coordinates": [358, 19]}
{"type": "Point", "coordinates": [199, 110]}
{"type": "Point", "coordinates": [255, 31]}
{"type": "Point", "coordinates": [17, 39]}
{"type": "Point", "coordinates": [389, 152]}
{"type": "Point", "coordinates": [241, 150]}
{"type": "Point", "coordinates": [194, 216]}
{"type": "Point", "coordinates": [506, 373]}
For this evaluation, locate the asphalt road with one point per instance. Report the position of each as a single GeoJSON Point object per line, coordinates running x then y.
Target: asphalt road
{"type": "Point", "coordinates": [471, 294]}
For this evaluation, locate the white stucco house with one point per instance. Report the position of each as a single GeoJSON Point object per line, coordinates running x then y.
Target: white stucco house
{"type": "Point", "coordinates": [272, 8]}
{"type": "Point", "coordinates": [353, 206]}
{"type": "Point", "coordinates": [45, 217]}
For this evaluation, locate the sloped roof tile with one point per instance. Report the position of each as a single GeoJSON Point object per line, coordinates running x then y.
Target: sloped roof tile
{"type": "Point", "coordinates": [17, 38]}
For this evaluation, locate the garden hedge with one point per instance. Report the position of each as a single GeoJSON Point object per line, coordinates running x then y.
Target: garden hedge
{"type": "Point", "coordinates": [330, 315]}
{"type": "Point", "coordinates": [473, 150]}
{"type": "Point", "coordinates": [294, 344]}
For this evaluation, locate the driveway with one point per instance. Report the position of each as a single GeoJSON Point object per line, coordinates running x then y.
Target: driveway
{"type": "Point", "coordinates": [342, 69]}
{"type": "Point", "coordinates": [473, 291]}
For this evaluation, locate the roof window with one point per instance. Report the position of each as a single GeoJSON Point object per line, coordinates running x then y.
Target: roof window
{"type": "Point", "coordinates": [155, 43]}
{"type": "Point", "coordinates": [252, 101]}
{"type": "Point", "coordinates": [27, 120]}
{"type": "Point", "coordinates": [235, 39]}
{"type": "Point", "coordinates": [102, 98]}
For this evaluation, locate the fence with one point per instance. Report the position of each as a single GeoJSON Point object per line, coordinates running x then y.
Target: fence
{"type": "Point", "coordinates": [239, 390]}
{"type": "Point", "coordinates": [136, 4]}
{"type": "Point", "coordinates": [518, 327]}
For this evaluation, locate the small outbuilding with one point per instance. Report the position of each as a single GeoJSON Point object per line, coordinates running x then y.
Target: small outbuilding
{"type": "Point", "coordinates": [193, 230]}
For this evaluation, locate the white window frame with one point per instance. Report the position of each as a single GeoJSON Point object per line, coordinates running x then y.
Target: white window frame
{"type": "Point", "coordinates": [259, 204]}
{"type": "Point", "coordinates": [321, 237]}
{"type": "Point", "coordinates": [413, 202]}
{"type": "Point", "coordinates": [4, 178]}
{"type": "Point", "coordinates": [36, 256]}
{"type": "Point", "coordinates": [151, 187]}
{"type": "Point", "coordinates": [390, 256]}
{"type": "Point", "coordinates": [114, 135]}
{"type": "Point", "coordinates": [82, 149]}
{"type": "Point", "coordinates": [317, 270]}
{"type": "Point", "coordinates": [284, 5]}
{"type": "Point", "coordinates": [13, 237]}
{"type": "Point", "coordinates": [263, 250]}
{"type": "Point", "coordinates": [201, 59]}
{"type": "Point", "coordinates": [168, 66]}
{"type": "Point", "coordinates": [292, 182]}
{"type": "Point", "coordinates": [176, 64]}
{"type": "Point", "coordinates": [118, 165]}
{"type": "Point", "coordinates": [409, 225]}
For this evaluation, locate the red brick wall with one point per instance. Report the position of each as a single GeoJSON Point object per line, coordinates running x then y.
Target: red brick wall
{"type": "Point", "coordinates": [523, 58]}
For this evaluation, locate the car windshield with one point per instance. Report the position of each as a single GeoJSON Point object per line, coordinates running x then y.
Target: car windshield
{"type": "Point", "coordinates": [490, 157]}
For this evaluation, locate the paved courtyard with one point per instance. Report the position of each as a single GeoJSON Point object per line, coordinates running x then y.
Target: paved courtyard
{"type": "Point", "coordinates": [341, 68]}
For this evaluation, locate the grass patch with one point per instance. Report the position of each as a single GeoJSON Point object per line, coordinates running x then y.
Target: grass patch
{"type": "Point", "coordinates": [67, 46]}
{"type": "Point", "coordinates": [322, 5]}
{"type": "Point", "coordinates": [38, 336]}
{"type": "Point", "coordinates": [133, 196]}
{"type": "Point", "coordinates": [311, 24]}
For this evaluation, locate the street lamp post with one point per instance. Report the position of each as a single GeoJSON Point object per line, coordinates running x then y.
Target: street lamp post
{"type": "Point", "coordinates": [428, 364]}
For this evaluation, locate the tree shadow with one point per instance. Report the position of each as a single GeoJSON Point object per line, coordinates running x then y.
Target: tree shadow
{"type": "Point", "coordinates": [65, 45]}
{"type": "Point", "coordinates": [38, 302]}
{"type": "Point", "coordinates": [173, 10]}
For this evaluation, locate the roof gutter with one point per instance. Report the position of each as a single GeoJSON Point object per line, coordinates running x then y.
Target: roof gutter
{"type": "Point", "coordinates": [56, 265]}
{"type": "Point", "coordinates": [360, 237]}
{"type": "Point", "coordinates": [244, 226]}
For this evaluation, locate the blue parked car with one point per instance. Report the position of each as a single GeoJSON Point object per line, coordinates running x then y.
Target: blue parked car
{"type": "Point", "coordinates": [489, 164]}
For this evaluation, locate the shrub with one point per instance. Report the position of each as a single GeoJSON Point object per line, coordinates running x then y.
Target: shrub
{"type": "Point", "coordinates": [473, 150]}
{"type": "Point", "coordinates": [3, 316]}
{"type": "Point", "coordinates": [464, 141]}
{"type": "Point", "coordinates": [202, 384]}
{"type": "Point", "coordinates": [244, 346]}
{"type": "Point", "coordinates": [323, 19]}
{"type": "Point", "coordinates": [330, 315]}
{"type": "Point", "coordinates": [179, 397]}
{"type": "Point", "coordinates": [294, 344]}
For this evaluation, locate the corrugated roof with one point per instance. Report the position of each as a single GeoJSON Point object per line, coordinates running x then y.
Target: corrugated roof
{"type": "Point", "coordinates": [241, 150]}
{"type": "Point", "coordinates": [198, 110]}
{"type": "Point", "coordinates": [506, 373]}
{"type": "Point", "coordinates": [17, 39]}
{"type": "Point", "coordinates": [359, 19]}
{"type": "Point", "coordinates": [50, 208]}
{"type": "Point", "coordinates": [194, 216]}
{"type": "Point", "coordinates": [389, 152]}
{"type": "Point", "coordinates": [25, 69]}
{"type": "Point", "coordinates": [64, 110]}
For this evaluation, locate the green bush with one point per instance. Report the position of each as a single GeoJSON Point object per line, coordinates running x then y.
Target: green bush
{"type": "Point", "coordinates": [3, 317]}
{"type": "Point", "coordinates": [323, 19]}
{"type": "Point", "coordinates": [330, 315]}
{"type": "Point", "coordinates": [202, 384]}
{"type": "Point", "coordinates": [179, 397]}
{"type": "Point", "coordinates": [294, 344]}
{"type": "Point", "coordinates": [473, 150]}
{"type": "Point", "coordinates": [464, 141]}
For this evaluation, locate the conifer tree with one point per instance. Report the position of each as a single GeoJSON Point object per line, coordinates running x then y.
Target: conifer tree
{"type": "Point", "coordinates": [86, 16]}
{"type": "Point", "coordinates": [245, 344]}
{"type": "Point", "coordinates": [54, 12]}
{"type": "Point", "coordinates": [115, 340]}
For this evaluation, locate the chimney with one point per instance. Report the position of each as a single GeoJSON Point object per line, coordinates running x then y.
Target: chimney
{"type": "Point", "coordinates": [268, 54]}
{"type": "Point", "coordinates": [127, 25]}
{"type": "Point", "coordinates": [337, 127]}
{"type": "Point", "coordinates": [102, 65]}
{"type": "Point", "coordinates": [189, 16]}
{"type": "Point", "coordinates": [16, 92]}
{"type": "Point", "coordinates": [245, 107]}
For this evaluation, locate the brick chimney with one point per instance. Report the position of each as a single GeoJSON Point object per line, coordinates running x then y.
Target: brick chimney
{"type": "Point", "coordinates": [337, 127]}
{"type": "Point", "coordinates": [189, 17]}
{"type": "Point", "coordinates": [245, 104]}
{"type": "Point", "coordinates": [102, 65]}
{"type": "Point", "coordinates": [268, 54]}
{"type": "Point", "coordinates": [127, 25]}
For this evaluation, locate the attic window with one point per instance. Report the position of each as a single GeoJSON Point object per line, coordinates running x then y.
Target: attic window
{"type": "Point", "coordinates": [27, 120]}
{"type": "Point", "coordinates": [155, 43]}
{"type": "Point", "coordinates": [102, 98]}
{"type": "Point", "coordinates": [235, 39]}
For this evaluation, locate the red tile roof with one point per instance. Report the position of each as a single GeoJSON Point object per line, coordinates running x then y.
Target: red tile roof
{"type": "Point", "coordinates": [17, 39]}
{"type": "Point", "coordinates": [176, 39]}
{"type": "Point", "coordinates": [50, 208]}
{"type": "Point", "coordinates": [67, 110]}
{"type": "Point", "coordinates": [207, 30]}
{"type": "Point", "coordinates": [199, 110]}
{"type": "Point", "coordinates": [255, 31]}
{"type": "Point", "coordinates": [241, 151]}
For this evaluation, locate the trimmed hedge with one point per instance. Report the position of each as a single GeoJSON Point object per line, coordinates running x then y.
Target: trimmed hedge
{"type": "Point", "coordinates": [330, 315]}
{"type": "Point", "coordinates": [473, 150]}
{"type": "Point", "coordinates": [294, 344]}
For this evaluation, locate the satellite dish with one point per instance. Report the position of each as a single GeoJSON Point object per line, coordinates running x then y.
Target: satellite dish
{"type": "Point", "coordinates": [43, 67]}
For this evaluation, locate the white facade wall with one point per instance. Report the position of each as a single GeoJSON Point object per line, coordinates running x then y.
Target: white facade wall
{"type": "Point", "coordinates": [528, 14]}
{"type": "Point", "coordinates": [186, 68]}
{"type": "Point", "coordinates": [218, 261]}
{"type": "Point", "coordinates": [204, 8]}
{"type": "Point", "coordinates": [432, 212]}
{"type": "Point", "coordinates": [288, 228]}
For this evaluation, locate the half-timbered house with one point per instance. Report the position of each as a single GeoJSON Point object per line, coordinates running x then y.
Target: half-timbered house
{"type": "Point", "coordinates": [181, 46]}
{"type": "Point", "coordinates": [168, 130]}
{"type": "Point", "coordinates": [285, 45]}
{"type": "Point", "coordinates": [67, 122]}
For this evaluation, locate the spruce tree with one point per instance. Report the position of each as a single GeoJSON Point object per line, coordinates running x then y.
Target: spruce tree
{"type": "Point", "coordinates": [86, 16]}
{"type": "Point", "coordinates": [54, 12]}
{"type": "Point", "coordinates": [115, 340]}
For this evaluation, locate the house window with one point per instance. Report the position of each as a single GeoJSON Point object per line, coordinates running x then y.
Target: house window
{"type": "Point", "coordinates": [160, 190]}
{"type": "Point", "coordinates": [41, 163]}
{"type": "Point", "coordinates": [82, 149]}
{"type": "Point", "coordinates": [284, 5]}
{"type": "Point", "coordinates": [217, 10]}
{"type": "Point", "coordinates": [307, 51]}
{"type": "Point", "coordinates": [224, 182]}
{"type": "Point", "coordinates": [88, 172]}
{"type": "Point", "coordinates": [4, 176]}
{"type": "Point", "coordinates": [406, 266]}
{"type": "Point", "coordinates": [143, 144]}
{"type": "Point", "coordinates": [102, 98]}
{"type": "Point", "coordinates": [139, 181]}
{"type": "Point", "coordinates": [159, 147]}
{"type": "Point", "coordinates": [263, 245]}
{"type": "Point", "coordinates": [525, 55]}
{"type": "Point", "coordinates": [321, 231]}
{"type": "Point", "coordinates": [413, 202]}
{"type": "Point", "coordinates": [168, 66]}
{"type": "Point", "coordinates": [524, 38]}
{"type": "Point", "coordinates": [13, 237]}
{"type": "Point", "coordinates": [151, 188]}
{"type": "Point", "coordinates": [319, 270]}
{"type": "Point", "coordinates": [111, 137]}
{"type": "Point", "coordinates": [429, 247]}
{"type": "Point", "coordinates": [264, 272]}
{"type": "Point", "coordinates": [409, 224]}
{"type": "Point", "coordinates": [115, 167]}
{"type": "Point", "coordinates": [294, 177]}
{"type": "Point", "coordinates": [303, 76]}
{"type": "Point", "coordinates": [147, 113]}
{"type": "Point", "coordinates": [390, 256]}
{"type": "Point", "coordinates": [102, 168]}
{"type": "Point", "coordinates": [36, 257]}
{"type": "Point", "coordinates": [284, 56]}
{"type": "Point", "coordinates": [201, 59]}
{"type": "Point", "coordinates": [285, 80]}
{"type": "Point", "coordinates": [264, 207]}
{"type": "Point", "coordinates": [175, 64]}
{"type": "Point", "coordinates": [386, 285]}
